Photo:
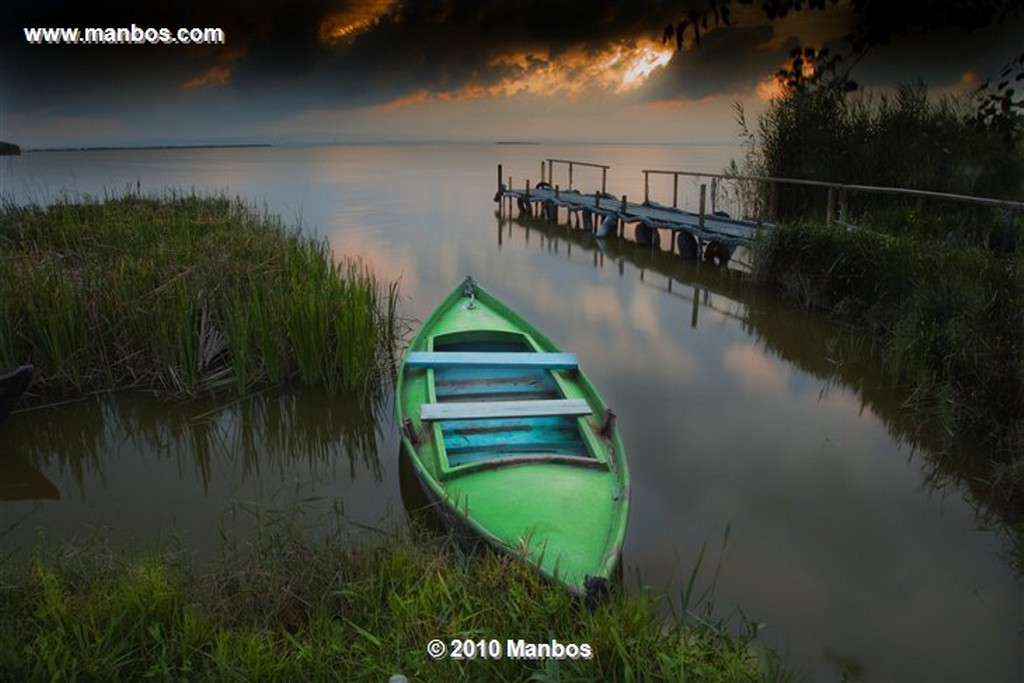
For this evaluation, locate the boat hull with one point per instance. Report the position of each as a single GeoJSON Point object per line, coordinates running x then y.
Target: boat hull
{"type": "Point", "coordinates": [522, 451]}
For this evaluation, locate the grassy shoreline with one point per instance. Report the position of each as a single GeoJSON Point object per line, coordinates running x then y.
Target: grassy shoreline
{"type": "Point", "coordinates": [184, 295]}
{"type": "Point", "coordinates": [287, 609]}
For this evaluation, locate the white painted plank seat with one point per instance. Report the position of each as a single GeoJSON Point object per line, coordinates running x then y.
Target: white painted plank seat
{"type": "Point", "coordinates": [503, 409]}
{"type": "Point", "coordinates": [481, 359]}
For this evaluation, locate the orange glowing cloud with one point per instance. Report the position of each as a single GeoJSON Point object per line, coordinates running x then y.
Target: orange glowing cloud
{"type": "Point", "coordinates": [621, 68]}
{"type": "Point", "coordinates": [216, 75]}
{"type": "Point", "coordinates": [770, 89]}
{"type": "Point", "coordinates": [361, 16]}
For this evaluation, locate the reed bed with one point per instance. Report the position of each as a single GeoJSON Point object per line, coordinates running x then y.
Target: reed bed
{"type": "Point", "coordinates": [186, 295]}
{"type": "Point", "coordinates": [284, 609]}
{"type": "Point", "coordinates": [949, 321]}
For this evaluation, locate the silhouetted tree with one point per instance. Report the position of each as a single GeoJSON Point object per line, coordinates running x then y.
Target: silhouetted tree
{"type": "Point", "coordinates": [877, 22]}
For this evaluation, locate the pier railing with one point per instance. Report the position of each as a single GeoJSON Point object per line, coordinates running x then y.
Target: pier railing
{"type": "Point", "coordinates": [571, 163]}
{"type": "Point", "coordinates": [837, 192]}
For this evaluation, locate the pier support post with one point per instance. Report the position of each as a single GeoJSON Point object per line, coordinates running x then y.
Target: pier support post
{"type": "Point", "coordinates": [689, 247]}
{"type": "Point", "coordinates": [695, 308]}
{"type": "Point", "coordinates": [1006, 242]}
{"type": "Point", "coordinates": [647, 188]}
{"type": "Point", "coordinates": [703, 202]}
{"type": "Point", "coordinates": [675, 190]}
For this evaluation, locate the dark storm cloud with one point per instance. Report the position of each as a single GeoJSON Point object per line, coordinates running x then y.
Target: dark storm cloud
{"type": "Point", "coordinates": [276, 63]}
{"type": "Point", "coordinates": [274, 47]}
{"type": "Point", "coordinates": [728, 61]}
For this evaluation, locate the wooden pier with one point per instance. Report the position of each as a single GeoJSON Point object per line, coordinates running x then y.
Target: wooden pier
{"type": "Point", "coordinates": [712, 235]}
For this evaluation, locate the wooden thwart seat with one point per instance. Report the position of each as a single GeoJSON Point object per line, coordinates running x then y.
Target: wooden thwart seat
{"type": "Point", "coordinates": [480, 359]}
{"type": "Point", "coordinates": [503, 409]}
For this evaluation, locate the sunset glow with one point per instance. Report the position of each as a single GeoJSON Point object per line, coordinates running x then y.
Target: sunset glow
{"type": "Point", "coordinates": [639, 63]}
{"type": "Point", "coordinates": [349, 23]}
{"type": "Point", "coordinates": [770, 89]}
{"type": "Point", "coordinates": [621, 68]}
{"type": "Point", "coordinates": [218, 75]}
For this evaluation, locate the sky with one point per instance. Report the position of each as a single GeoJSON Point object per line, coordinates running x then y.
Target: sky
{"type": "Point", "coordinates": [396, 70]}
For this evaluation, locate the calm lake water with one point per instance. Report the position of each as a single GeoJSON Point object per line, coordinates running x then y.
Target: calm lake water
{"type": "Point", "coordinates": [735, 434]}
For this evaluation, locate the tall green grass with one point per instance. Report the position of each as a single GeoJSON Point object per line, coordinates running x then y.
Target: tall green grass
{"type": "Point", "coordinates": [286, 610]}
{"type": "Point", "coordinates": [184, 294]}
{"type": "Point", "coordinates": [950, 322]}
{"type": "Point", "coordinates": [906, 139]}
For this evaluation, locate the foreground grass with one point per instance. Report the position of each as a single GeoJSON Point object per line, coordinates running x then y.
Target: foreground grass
{"type": "Point", "coordinates": [948, 324]}
{"type": "Point", "coordinates": [183, 294]}
{"type": "Point", "coordinates": [289, 610]}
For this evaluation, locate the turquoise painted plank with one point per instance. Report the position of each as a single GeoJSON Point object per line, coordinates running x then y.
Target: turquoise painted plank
{"type": "Point", "coordinates": [563, 436]}
{"type": "Point", "coordinates": [496, 409]}
{"type": "Point", "coordinates": [450, 359]}
{"type": "Point", "coordinates": [508, 423]}
{"type": "Point", "coordinates": [494, 384]}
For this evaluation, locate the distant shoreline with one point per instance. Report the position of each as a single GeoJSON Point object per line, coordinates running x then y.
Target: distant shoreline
{"type": "Point", "coordinates": [144, 147]}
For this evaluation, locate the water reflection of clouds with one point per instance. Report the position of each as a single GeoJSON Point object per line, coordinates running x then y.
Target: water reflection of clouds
{"type": "Point", "coordinates": [618, 334]}
{"type": "Point", "coordinates": [389, 262]}
{"type": "Point", "coordinates": [755, 372]}
{"type": "Point", "coordinates": [600, 304]}
{"type": "Point", "coordinates": [644, 317]}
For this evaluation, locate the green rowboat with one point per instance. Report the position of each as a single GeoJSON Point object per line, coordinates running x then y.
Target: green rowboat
{"type": "Point", "coordinates": [509, 436]}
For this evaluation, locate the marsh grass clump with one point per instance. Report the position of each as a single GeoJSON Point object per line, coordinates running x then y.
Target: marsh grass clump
{"type": "Point", "coordinates": [283, 608]}
{"type": "Point", "coordinates": [184, 294]}
{"type": "Point", "coordinates": [948, 322]}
